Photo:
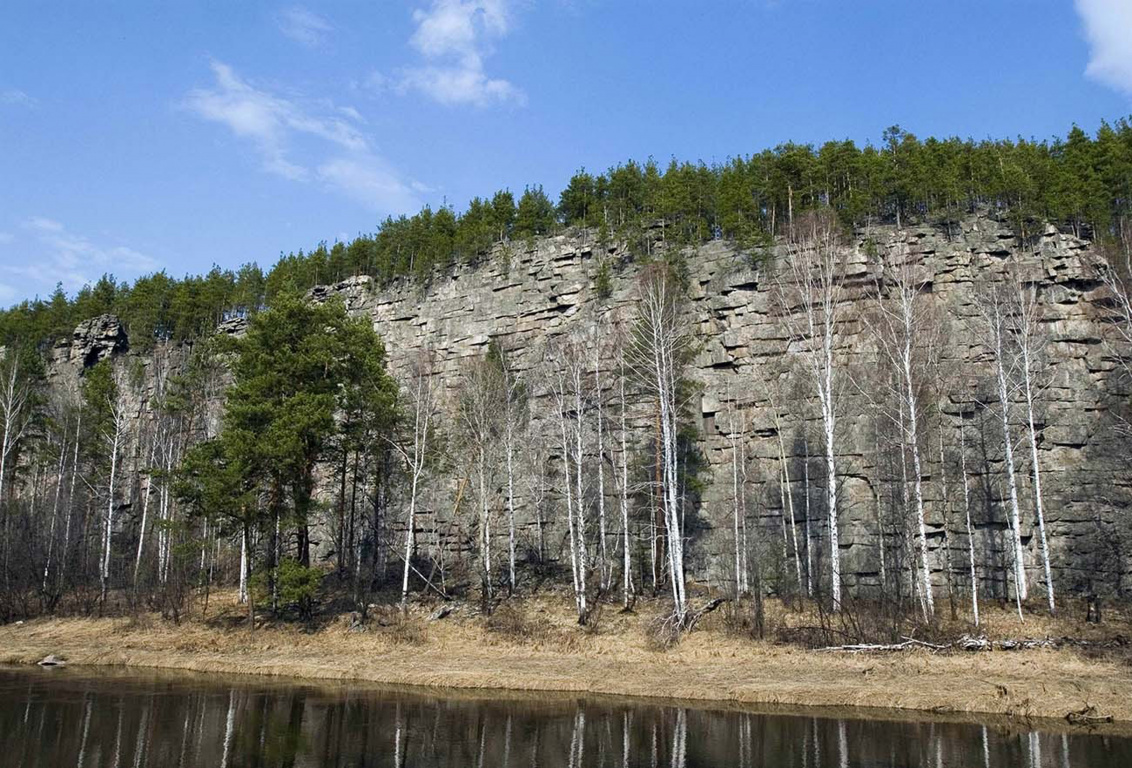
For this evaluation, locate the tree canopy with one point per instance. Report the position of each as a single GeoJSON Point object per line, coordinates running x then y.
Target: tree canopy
{"type": "Point", "coordinates": [1081, 182]}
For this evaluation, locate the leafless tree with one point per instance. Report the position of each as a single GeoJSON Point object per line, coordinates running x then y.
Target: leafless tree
{"type": "Point", "coordinates": [567, 359]}
{"type": "Point", "coordinates": [786, 485]}
{"type": "Point", "coordinates": [657, 350]}
{"type": "Point", "coordinates": [904, 329]}
{"type": "Point", "coordinates": [993, 305]}
{"type": "Point", "coordinates": [114, 436]}
{"type": "Point", "coordinates": [512, 390]}
{"type": "Point", "coordinates": [480, 413]}
{"type": "Point", "coordinates": [420, 397]}
{"type": "Point", "coordinates": [623, 412]}
{"type": "Point", "coordinates": [967, 519]}
{"type": "Point", "coordinates": [1030, 342]}
{"type": "Point", "coordinates": [15, 411]}
{"type": "Point", "coordinates": [810, 292]}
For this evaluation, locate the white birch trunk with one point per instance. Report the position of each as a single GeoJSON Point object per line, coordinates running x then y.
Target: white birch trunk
{"type": "Point", "coordinates": [243, 591]}
{"type": "Point", "coordinates": [579, 455]}
{"type": "Point", "coordinates": [1028, 343]}
{"type": "Point", "coordinates": [119, 422]}
{"type": "Point", "coordinates": [967, 516]}
{"type": "Point", "coordinates": [917, 478]}
{"type": "Point", "coordinates": [606, 570]}
{"type": "Point", "coordinates": [1020, 584]}
{"type": "Point", "coordinates": [579, 588]}
{"type": "Point", "coordinates": [510, 449]}
{"type": "Point", "coordinates": [145, 513]}
{"type": "Point", "coordinates": [627, 563]}
{"type": "Point", "coordinates": [61, 472]}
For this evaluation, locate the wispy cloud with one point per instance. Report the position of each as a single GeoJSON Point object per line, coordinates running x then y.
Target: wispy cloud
{"type": "Point", "coordinates": [1108, 29]}
{"type": "Point", "coordinates": [267, 120]}
{"type": "Point", "coordinates": [303, 26]}
{"type": "Point", "coordinates": [369, 181]}
{"type": "Point", "coordinates": [342, 156]}
{"type": "Point", "coordinates": [50, 254]}
{"type": "Point", "coordinates": [16, 97]}
{"type": "Point", "coordinates": [454, 38]}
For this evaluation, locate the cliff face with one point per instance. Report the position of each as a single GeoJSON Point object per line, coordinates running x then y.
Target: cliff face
{"type": "Point", "coordinates": [748, 372]}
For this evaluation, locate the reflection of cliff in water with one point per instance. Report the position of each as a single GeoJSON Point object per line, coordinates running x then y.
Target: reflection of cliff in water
{"type": "Point", "coordinates": [66, 718]}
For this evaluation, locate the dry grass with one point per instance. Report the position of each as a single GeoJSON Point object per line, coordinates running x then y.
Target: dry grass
{"type": "Point", "coordinates": [535, 645]}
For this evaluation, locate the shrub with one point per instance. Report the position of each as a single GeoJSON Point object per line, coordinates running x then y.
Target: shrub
{"type": "Point", "coordinates": [296, 586]}
{"type": "Point", "coordinates": [603, 280]}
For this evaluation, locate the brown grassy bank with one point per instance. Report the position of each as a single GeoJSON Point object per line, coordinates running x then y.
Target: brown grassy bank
{"type": "Point", "coordinates": [534, 646]}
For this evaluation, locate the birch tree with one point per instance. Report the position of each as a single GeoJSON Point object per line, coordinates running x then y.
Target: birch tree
{"type": "Point", "coordinates": [479, 408]}
{"type": "Point", "coordinates": [569, 362]}
{"type": "Point", "coordinates": [63, 409]}
{"type": "Point", "coordinates": [810, 292]}
{"type": "Point", "coordinates": [105, 399]}
{"type": "Point", "coordinates": [15, 411]}
{"type": "Point", "coordinates": [597, 354]}
{"type": "Point", "coordinates": [1030, 345]}
{"type": "Point", "coordinates": [967, 520]}
{"type": "Point", "coordinates": [623, 490]}
{"type": "Point", "coordinates": [994, 310]}
{"type": "Point", "coordinates": [420, 398]}
{"type": "Point", "coordinates": [786, 486]}
{"type": "Point", "coordinates": [904, 329]}
{"type": "Point", "coordinates": [657, 351]}
{"type": "Point", "coordinates": [514, 393]}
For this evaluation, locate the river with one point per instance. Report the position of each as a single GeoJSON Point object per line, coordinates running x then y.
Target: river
{"type": "Point", "coordinates": [87, 718]}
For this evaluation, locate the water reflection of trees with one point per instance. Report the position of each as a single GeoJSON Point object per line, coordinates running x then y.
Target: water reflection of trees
{"type": "Point", "coordinates": [95, 724]}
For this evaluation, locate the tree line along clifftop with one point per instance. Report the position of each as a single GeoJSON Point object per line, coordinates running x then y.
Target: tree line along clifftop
{"type": "Point", "coordinates": [1082, 183]}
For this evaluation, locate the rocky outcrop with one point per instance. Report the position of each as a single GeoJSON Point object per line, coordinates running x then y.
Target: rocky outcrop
{"type": "Point", "coordinates": [97, 339]}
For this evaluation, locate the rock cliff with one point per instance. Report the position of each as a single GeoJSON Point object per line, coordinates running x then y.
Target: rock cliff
{"type": "Point", "coordinates": [748, 381]}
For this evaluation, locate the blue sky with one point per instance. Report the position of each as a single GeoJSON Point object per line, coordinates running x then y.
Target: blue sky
{"type": "Point", "coordinates": [137, 136]}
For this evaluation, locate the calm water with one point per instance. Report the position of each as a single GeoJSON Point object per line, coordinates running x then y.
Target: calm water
{"type": "Point", "coordinates": [72, 718]}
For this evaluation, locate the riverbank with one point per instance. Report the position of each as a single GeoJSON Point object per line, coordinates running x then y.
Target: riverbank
{"type": "Point", "coordinates": [534, 646]}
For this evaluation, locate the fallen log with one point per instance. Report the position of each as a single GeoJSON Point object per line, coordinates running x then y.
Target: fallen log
{"type": "Point", "coordinates": [695, 616]}
{"type": "Point", "coordinates": [965, 643]}
{"type": "Point", "coordinates": [885, 648]}
{"type": "Point", "coordinates": [1087, 716]}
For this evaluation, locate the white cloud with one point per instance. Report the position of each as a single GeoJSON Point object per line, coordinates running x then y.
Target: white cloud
{"type": "Point", "coordinates": [458, 85]}
{"type": "Point", "coordinates": [455, 37]}
{"type": "Point", "coordinates": [369, 181]}
{"type": "Point", "coordinates": [1108, 29]}
{"type": "Point", "coordinates": [16, 97]}
{"type": "Point", "coordinates": [303, 26]}
{"type": "Point", "coordinates": [60, 256]}
{"type": "Point", "coordinates": [43, 224]}
{"type": "Point", "coordinates": [274, 124]}
{"type": "Point", "coordinates": [458, 26]}
{"type": "Point", "coordinates": [267, 120]}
